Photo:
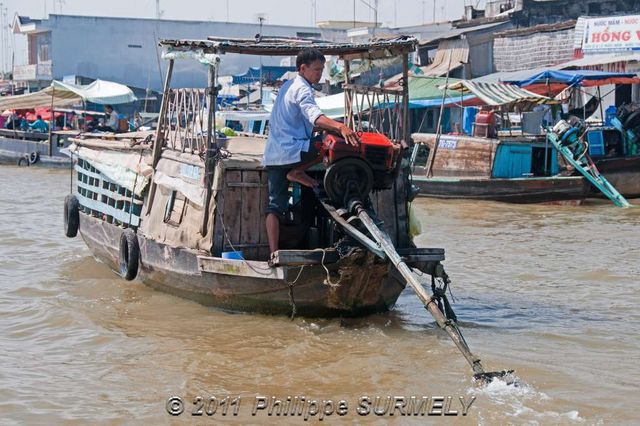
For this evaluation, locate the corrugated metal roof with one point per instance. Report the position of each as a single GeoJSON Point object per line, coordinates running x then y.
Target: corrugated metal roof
{"type": "Point", "coordinates": [451, 54]}
{"type": "Point", "coordinates": [276, 46]}
{"type": "Point", "coordinates": [459, 31]}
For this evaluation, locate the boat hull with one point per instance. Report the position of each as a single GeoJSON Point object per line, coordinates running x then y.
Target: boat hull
{"type": "Point", "coordinates": [621, 172]}
{"type": "Point", "coordinates": [365, 284]}
{"type": "Point", "coordinates": [517, 190]}
{"type": "Point", "coordinates": [12, 151]}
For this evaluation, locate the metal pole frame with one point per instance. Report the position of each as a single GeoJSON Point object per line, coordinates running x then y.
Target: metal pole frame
{"type": "Point", "coordinates": [51, 121]}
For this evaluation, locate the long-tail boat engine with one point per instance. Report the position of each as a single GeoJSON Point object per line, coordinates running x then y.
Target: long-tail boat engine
{"type": "Point", "coordinates": [352, 173]}
{"type": "Point", "coordinates": [570, 135]}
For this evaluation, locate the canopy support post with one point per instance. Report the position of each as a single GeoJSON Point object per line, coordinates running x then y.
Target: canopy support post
{"type": "Point", "coordinates": [438, 128]}
{"type": "Point", "coordinates": [211, 148]}
{"type": "Point", "coordinates": [51, 120]}
{"type": "Point", "coordinates": [159, 141]}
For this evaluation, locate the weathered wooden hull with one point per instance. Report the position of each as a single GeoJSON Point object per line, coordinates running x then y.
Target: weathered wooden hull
{"type": "Point", "coordinates": [366, 285]}
{"type": "Point", "coordinates": [621, 172]}
{"type": "Point", "coordinates": [12, 150]}
{"type": "Point", "coordinates": [517, 190]}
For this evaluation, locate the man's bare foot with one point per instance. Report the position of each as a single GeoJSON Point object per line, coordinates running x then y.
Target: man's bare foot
{"type": "Point", "coordinates": [302, 178]}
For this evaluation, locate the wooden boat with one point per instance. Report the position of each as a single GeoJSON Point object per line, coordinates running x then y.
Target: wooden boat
{"type": "Point", "coordinates": [615, 152]}
{"type": "Point", "coordinates": [186, 216]}
{"type": "Point", "coordinates": [169, 211]}
{"type": "Point", "coordinates": [515, 170]}
{"type": "Point", "coordinates": [32, 148]}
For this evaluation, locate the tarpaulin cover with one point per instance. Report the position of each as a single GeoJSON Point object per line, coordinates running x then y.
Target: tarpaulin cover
{"type": "Point", "coordinates": [124, 168]}
{"type": "Point", "coordinates": [577, 77]}
{"type": "Point", "coordinates": [99, 92]}
{"type": "Point", "coordinates": [499, 94]}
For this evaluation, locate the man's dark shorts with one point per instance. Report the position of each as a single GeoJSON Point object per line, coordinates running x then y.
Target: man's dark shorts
{"type": "Point", "coordinates": [279, 184]}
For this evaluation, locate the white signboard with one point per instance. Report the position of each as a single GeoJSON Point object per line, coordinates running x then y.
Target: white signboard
{"type": "Point", "coordinates": [611, 34]}
{"type": "Point", "coordinates": [448, 143]}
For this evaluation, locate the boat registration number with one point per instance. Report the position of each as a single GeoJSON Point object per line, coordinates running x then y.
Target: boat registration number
{"type": "Point", "coordinates": [448, 144]}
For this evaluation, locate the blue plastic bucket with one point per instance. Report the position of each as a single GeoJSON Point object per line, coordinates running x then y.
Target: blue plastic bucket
{"type": "Point", "coordinates": [234, 255]}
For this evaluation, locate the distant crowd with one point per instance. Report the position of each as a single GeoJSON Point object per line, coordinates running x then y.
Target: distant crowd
{"type": "Point", "coordinates": [110, 121]}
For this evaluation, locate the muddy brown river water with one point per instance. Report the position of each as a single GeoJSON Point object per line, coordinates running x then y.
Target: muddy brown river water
{"type": "Point", "coordinates": [550, 291]}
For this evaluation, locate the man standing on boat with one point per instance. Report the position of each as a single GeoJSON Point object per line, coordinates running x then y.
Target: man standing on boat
{"type": "Point", "coordinates": [289, 153]}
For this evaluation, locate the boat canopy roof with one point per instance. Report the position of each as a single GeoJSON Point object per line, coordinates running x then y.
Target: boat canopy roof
{"type": "Point", "coordinates": [61, 94]}
{"type": "Point", "coordinates": [576, 77]}
{"type": "Point", "coordinates": [282, 46]}
{"type": "Point", "coordinates": [496, 94]}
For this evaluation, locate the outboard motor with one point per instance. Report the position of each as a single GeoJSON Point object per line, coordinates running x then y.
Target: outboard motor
{"type": "Point", "coordinates": [570, 136]}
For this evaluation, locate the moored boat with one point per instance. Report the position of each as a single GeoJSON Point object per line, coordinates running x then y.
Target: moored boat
{"type": "Point", "coordinates": [516, 170]}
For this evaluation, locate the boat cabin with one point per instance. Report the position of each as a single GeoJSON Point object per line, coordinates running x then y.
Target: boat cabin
{"type": "Point", "coordinates": [463, 156]}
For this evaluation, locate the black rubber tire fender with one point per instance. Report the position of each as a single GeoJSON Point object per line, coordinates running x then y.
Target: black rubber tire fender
{"type": "Point", "coordinates": [632, 121]}
{"type": "Point", "coordinates": [129, 255]}
{"type": "Point", "coordinates": [34, 157]}
{"type": "Point", "coordinates": [71, 216]}
{"type": "Point", "coordinates": [23, 161]}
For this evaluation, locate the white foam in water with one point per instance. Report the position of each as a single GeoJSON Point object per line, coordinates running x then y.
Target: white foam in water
{"type": "Point", "coordinates": [520, 400]}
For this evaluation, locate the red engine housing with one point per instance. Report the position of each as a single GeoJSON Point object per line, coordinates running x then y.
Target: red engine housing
{"type": "Point", "coordinates": [375, 148]}
{"type": "Point", "coordinates": [376, 153]}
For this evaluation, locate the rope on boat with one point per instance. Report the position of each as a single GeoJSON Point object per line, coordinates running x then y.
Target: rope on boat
{"type": "Point", "coordinates": [440, 296]}
{"type": "Point", "coordinates": [292, 301]}
{"type": "Point", "coordinates": [327, 281]}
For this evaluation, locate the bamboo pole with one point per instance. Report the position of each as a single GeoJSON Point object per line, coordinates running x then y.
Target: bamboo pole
{"type": "Point", "coordinates": [348, 96]}
{"type": "Point", "coordinates": [406, 131]}
{"type": "Point", "coordinates": [438, 127]}
{"type": "Point", "coordinates": [212, 147]}
{"type": "Point", "coordinates": [157, 145]}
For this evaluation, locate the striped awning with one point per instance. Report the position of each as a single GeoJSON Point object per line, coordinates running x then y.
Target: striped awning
{"type": "Point", "coordinates": [496, 94]}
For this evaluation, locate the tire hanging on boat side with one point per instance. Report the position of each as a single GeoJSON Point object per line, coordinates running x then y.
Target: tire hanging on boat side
{"type": "Point", "coordinates": [129, 255]}
{"type": "Point", "coordinates": [71, 216]}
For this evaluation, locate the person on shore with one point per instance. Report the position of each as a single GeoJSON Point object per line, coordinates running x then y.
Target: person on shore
{"type": "Point", "coordinates": [13, 123]}
{"type": "Point", "coordinates": [111, 123]}
{"type": "Point", "coordinates": [39, 125]}
{"type": "Point", "coordinates": [289, 153]}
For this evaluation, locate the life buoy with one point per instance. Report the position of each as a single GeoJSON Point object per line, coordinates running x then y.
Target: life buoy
{"type": "Point", "coordinates": [71, 216]}
{"type": "Point", "coordinates": [34, 157]}
{"type": "Point", "coordinates": [129, 254]}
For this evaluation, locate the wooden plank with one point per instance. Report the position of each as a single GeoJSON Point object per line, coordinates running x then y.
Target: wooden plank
{"type": "Point", "coordinates": [387, 211]}
{"type": "Point", "coordinates": [305, 257]}
{"type": "Point", "coordinates": [97, 206]}
{"type": "Point", "coordinates": [232, 209]}
{"type": "Point", "coordinates": [402, 210]}
{"type": "Point", "coordinates": [218, 230]}
{"type": "Point", "coordinates": [245, 184]}
{"type": "Point", "coordinates": [264, 202]}
{"type": "Point", "coordinates": [251, 219]}
{"type": "Point", "coordinates": [240, 268]}
{"type": "Point", "coordinates": [421, 254]}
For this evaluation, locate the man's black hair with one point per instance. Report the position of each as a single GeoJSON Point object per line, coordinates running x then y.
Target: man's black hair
{"type": "Point", "coordinates": [307, 56]}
